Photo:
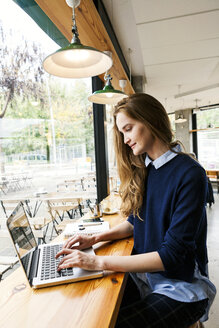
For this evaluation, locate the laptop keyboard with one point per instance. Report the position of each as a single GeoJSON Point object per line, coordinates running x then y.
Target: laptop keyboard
{"type": "Point", "coordinates": [50, 263]}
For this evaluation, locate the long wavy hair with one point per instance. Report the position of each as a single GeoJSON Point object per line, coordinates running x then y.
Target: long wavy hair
{"type": "Point", "coordinates": [131, 168]}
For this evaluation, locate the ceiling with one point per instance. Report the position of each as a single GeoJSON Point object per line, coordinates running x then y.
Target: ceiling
{"type": "Point", "coordinates": [174, 45]}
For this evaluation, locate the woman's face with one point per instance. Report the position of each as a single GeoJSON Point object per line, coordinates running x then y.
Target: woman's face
{"type": "Point", "coordinates": [136, 135]}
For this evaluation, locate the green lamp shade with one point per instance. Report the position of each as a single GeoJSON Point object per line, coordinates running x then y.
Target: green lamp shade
{"type": "Point", "coordinates": [77, 61]}
{"type": "Point", "coordinates": [108, 96]}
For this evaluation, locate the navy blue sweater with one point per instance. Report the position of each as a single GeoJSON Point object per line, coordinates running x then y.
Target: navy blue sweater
{"type": "Point", "coordinates": [174, 217]}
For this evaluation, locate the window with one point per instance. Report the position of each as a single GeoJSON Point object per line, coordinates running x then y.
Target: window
{"type": "Point", "coordinates": [172, 122]}
{"type": "Point", "coordinates": [208, 138]}
{"type": "Point", "coordinates": [47, 127]}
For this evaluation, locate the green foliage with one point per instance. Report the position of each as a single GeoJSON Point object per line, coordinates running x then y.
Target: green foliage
{"type": "Point", "coordinates": [21, 73]}
{"type": "Point", "coordinates": [73, 113]}
{"type": "Point", "coordinates": [208, 118]}
{"type": "Point", "coordinates": [20, 107]}
{"type": "Point", "coordinates": [73, 119]}
{"type": "Point", "coordinates": [26, 94]}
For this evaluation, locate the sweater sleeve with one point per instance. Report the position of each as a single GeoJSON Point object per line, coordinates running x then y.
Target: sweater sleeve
{"type": "Point", "coordinates": [187, 223]}
{"type": "Point", "coordinates": [131, 219]}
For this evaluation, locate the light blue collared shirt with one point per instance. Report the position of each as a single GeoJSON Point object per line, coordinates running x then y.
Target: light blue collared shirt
{"type": "Point", "coordinates": [163, 159]}
{"type": "Point", "coordinates": [200, 288]}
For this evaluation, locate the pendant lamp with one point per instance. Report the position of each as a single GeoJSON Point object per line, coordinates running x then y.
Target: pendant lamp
{"type": "Point", "coordinates": [180, 119]}
{"type": "Point", "coordinates": [77, 60]}
{"type": "Point", "coordinates": [108, 95]}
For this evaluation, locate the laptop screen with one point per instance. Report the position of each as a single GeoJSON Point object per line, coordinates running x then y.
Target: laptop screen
{"type": "Point", "coordinates": [21, 234]}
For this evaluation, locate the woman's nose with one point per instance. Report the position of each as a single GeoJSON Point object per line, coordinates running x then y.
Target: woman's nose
{"type": "Point", "coordinates": [126, 139]}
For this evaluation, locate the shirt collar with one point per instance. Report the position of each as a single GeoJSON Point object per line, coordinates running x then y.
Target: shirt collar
{"type": "Point", "coordinates": [163, 159]}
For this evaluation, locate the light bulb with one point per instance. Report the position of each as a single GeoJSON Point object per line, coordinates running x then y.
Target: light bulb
{"type": "Point", "coordinates": [77, 55]}
{"type": "Point", "coordinates": [109, 95]}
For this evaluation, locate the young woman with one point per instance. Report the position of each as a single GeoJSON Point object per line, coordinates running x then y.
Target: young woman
{"type": "Point", "coordinates": [163, 194]}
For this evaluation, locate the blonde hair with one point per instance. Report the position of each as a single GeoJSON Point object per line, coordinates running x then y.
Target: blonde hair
{"type": "Point", "coordinates": [131, 169]}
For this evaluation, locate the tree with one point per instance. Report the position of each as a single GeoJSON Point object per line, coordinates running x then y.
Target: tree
{"type": "Point", "coordinates": [72, 113]}
{"type": "Point", "coordinates": [21, 74]}
{"type": "Point", "coordinates": [208, 118]}
{"type": "Point", "coordinates": [24, 94]}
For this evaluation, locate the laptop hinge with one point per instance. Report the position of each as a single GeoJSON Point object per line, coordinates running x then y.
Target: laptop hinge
{"type": "Point", "coordinates": [34, 264]}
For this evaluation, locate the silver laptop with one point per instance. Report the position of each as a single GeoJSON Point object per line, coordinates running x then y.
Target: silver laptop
{"type": "Point", "coordinates": [38, 261]}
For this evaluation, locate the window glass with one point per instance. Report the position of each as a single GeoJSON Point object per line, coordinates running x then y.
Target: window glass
{"type": "Point", "coordinates": [46, 124]}
{"type": "Point", "coordinates": [172, 122]}
{"type": "Point", "coordinates": [208, 138]}
{"type": "Point", "coordinates": [113, 176]}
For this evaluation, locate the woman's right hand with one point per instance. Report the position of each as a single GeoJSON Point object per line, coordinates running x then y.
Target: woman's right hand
{"type": "Point", "coordinates": [81, 241]}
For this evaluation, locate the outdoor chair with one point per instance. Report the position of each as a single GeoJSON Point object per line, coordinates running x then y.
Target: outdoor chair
{"type": "Point", "coordinates": [89, 184]}
{"type": "Point", "coordinates": [61, 187]}
{"type": "Point", "coordinates": [8, 205]}
{"type": "Point", "coordinates": [74, 185]}
{"type": "Point", "coordinates": [4, 186]}
{"type": "Point", "coordinates": [59, 207]}
{"type": "Point", "coordinates": [40, 226]}
{"type": "Point", "coordinates": [27, 179]}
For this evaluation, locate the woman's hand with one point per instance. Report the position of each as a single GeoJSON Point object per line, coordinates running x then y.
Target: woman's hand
{"type": "Point", "coordinates": [123, 230]}
{"type": "Point", "coordinates": [81, 241]}
{"type": "Point", "coordinates": [76, 258]}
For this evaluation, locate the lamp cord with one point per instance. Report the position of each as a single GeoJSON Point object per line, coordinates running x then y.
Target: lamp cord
{"type": "Point", "coordinates": [107, 78]}
{"type": "Point", "coordinates": [75, 38]}
{"type": "Point", "coordinates": [130, 65]}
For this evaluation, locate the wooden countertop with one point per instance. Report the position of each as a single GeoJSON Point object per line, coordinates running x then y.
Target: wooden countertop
{"type": "Point", "coordinates": [88, 304]}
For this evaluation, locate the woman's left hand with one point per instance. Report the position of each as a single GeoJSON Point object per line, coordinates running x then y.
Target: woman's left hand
{"type": "Point", "coordinates": [76, 258]}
